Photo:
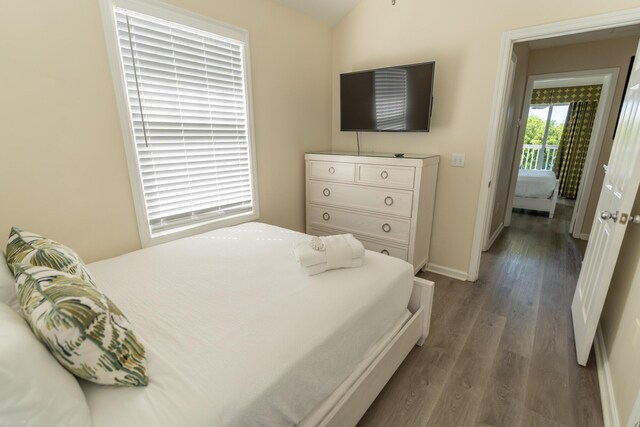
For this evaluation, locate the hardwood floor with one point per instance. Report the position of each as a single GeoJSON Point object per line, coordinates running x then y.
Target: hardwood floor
{"type": "Point", "coordinates": [501, 351]}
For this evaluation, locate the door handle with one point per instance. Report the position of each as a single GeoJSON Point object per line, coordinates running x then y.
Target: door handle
{"type": "Point", "coordinates": [605, 215]}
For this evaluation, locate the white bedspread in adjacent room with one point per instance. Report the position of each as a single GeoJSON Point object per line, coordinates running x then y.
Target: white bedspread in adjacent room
{"type": "Point", "coordinates": [535, 183]}
{"type": "Point", "coordinates": [237, 334]}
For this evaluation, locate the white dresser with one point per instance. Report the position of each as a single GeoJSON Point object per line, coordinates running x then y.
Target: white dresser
{"type": "Point", "coordinates": [384, 201]}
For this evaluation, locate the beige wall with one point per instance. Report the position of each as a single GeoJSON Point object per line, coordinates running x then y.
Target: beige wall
{"type": "Point", "coordinates": [509, 144]}
{"type": "Point", "coordinates": [621, 312]}
{"type": "Point", "coordinates": [464, 40]}
{"type": "Point", "coordinates": [614, 53]}
{"type": "Point", "coordinates": [62, 162]}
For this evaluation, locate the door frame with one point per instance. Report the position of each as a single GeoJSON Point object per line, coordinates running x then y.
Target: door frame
{"type": "Point", "coordinates": [491, 159]}
{"type": "Point", "coordinates": [608, 78]}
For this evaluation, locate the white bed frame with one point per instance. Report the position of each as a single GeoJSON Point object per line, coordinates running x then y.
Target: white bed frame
{"type": "Point", "coordinates": [537, 204]}
{"type": "Point", "coordinates": [357, 399]}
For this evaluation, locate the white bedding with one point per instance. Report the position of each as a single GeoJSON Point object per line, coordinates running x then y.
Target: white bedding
{"type": "Point", "coordinates": [535, 183]}
{"type": "Point", "coordinates": [237, 334]}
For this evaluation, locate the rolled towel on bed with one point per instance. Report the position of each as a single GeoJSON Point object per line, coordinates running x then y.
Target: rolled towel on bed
{"type": "Point", "coordinates": [329, 252]}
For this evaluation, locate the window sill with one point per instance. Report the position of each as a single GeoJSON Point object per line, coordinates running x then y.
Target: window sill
{"type": "Point", "coordinates": [199, 228]}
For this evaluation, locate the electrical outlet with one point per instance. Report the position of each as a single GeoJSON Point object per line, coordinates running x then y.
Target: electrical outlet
{"type": "Point", "coordinates": [457, 160]}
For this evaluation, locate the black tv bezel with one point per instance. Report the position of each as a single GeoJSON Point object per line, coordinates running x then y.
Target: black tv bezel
{"type": "Point", "coordinates": [391, 130]}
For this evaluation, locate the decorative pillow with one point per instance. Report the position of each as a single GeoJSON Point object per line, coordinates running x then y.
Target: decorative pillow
{"type": "Point", "coordinates": [29, 248]}
{"type": "Point", "coordinates": [34, 389]}
{"type": "Point", "coordinates": [8, 286]}
{"type": "Point", "coordinates": [83, 329]}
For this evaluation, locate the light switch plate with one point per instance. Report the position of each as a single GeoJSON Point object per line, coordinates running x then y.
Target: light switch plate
{"type": "Point", "coordinates": [457, 160]}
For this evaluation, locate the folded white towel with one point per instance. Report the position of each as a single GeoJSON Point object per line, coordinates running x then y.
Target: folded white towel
{"type": "Point", "coordinates": [340, 251]}
{"type": "Point", "coordinates": [321, 268]}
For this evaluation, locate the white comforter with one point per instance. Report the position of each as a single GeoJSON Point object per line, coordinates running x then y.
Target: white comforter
{"type": "Point", "coordinates": [236, 334]}
{"type": "Point", "coordinates": [535, 183]}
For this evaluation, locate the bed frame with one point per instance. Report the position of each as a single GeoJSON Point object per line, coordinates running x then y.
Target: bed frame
{"type": "Point", "coordinates": [537, 204]}
{"type": "Point", "coordinates": [357, 399]}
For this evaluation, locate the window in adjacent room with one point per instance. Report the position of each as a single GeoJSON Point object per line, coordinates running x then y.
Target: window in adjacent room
{"type": "Point", "coordinates": [542, 135]}
{"type": "Point", "coordinates": [185, 91]}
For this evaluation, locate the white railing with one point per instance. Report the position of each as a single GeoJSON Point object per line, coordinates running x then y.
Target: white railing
{"type": "Point", "coordinates": [532, 158]}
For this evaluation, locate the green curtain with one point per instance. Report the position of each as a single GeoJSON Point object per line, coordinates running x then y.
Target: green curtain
{"type": "Point", "coordinates": [573, 147]}
{"type": "Point", "coordinates": [566, 95]}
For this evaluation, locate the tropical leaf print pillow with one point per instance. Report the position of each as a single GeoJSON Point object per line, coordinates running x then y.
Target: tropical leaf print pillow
{"type": "Point", "coordinates": [30, 248]}
{"type": "Point", "coordinates": [83, 328]}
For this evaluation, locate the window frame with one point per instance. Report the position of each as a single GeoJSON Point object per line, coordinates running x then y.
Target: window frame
{"type": "Point", "coordinates": [183, 17]}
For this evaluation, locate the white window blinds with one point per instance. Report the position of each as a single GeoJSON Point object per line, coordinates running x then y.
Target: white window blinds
{"type": "Point", "coordinates": [186, 92]}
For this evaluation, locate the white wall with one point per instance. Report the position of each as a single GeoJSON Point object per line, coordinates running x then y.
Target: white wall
{"type": "Point", "coordinates": [62, 165]}
{"type": "Point", "coordinates": [464, 40]}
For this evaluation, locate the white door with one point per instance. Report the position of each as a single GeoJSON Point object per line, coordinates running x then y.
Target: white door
{"type": "Point", "coordinates": [505, 124]}
{"type": "Point", "coordinates": [616, 199]}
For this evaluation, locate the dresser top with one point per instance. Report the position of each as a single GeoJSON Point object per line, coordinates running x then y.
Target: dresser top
{"type": "Point", "coordinates": [379, 155]}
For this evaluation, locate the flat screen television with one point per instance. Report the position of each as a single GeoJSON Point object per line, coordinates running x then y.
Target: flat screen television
{"type": "Point", "coordinates": [392, 99]}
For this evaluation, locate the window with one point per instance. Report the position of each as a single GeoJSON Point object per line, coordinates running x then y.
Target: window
{"type": "Point", "coordinates": [186, 94]}
{"type": "Point", "coordinates": [542, 136]}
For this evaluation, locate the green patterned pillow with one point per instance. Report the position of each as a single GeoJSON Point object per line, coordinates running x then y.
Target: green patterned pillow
{"type": "Point", "coordinates": [83, 329]}
{"type": "Point", "coordinates": [29, 248]}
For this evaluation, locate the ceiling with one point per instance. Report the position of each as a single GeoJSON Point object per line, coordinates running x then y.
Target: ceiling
{"type": "Point", "coordinates": [609, 33]}
{"type": "Point", "coordinates": [327, 11]}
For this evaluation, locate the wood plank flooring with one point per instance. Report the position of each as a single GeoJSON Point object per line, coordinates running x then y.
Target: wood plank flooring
{"type": "Point", "coordinates": [501, 351]}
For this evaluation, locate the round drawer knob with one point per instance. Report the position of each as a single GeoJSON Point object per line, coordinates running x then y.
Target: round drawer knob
{"type": "Point", "coordinates": [388, 200]}
{"type": "Point", "coordinates": [326, 192]}
{"type": "Point", "coordinates": [384, 174]}
{"type": "Point", "coordinates": [384, 251]}
{"type": "Point", "coordinates": [326, 216]}
{"type": "Point", "coordinates": [332, 170]}
{"type": "Point", "coordinates": [386, 227]}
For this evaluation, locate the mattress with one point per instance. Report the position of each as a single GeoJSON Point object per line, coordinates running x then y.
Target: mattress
{"type": "Point", "coordinates": [537, 184]}
{"type": "Point", "coordinates": [237, 334]}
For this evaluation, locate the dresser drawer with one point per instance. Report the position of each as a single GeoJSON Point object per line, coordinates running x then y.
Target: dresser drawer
{"type": "Point", "coordinates": [397, 230]}
{"type": "Point", "coordinates": [394, 251]}
{"type": "Point", "coordinates": [386, 176]}
{"type": "Point", "coordinates": [392, 202]}
{"type": "Point", "coordinates": [333, 171]}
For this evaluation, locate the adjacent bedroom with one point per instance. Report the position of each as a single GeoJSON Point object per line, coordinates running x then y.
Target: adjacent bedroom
{"type": "Point", "coordinates": [319, 214]}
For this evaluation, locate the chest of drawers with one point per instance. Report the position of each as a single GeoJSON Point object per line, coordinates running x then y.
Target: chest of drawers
{"type": "Point", "coordinates": [384, 201]}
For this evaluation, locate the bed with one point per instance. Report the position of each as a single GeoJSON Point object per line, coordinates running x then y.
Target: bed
{"type": "Point", "coordinates": [237, 334]}
{"type": "Point", "coordinates": [536, 190]}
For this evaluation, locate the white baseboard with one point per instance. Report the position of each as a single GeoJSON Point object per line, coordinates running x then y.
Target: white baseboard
{"type": "Point", "coordinates": [607, 396]}
{"type": "Point", "coordinates": [446, 271]}
{"type": "Point", "coordinates": [584, 236]}
{"type": "Point", "coordinates": [493, 237]}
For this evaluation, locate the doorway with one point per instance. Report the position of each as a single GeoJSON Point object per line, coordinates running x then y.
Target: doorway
{"type": "Point", "coordinates": [601, 26]}
{"type": "Point", "coordinates": [563, 127]}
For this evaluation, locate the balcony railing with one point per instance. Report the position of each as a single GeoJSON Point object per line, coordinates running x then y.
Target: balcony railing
{"type": "Point", "coordinates": [532, 158]}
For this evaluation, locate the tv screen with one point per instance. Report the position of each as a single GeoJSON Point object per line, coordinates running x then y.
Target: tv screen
{"type": "Point", "coordinates": [393, 99]}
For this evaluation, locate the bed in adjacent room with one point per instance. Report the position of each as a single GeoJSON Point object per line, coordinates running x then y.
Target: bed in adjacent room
{"type": "Point", "coordinates": [536, 190]}
{"type": "Point", "coordinates": [237, 334]}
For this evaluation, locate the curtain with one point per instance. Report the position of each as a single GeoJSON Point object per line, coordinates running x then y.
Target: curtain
{"type": "Point", "coordinates": [565, 95]}
{"type": "Point", "coordinates": [573, 147]}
